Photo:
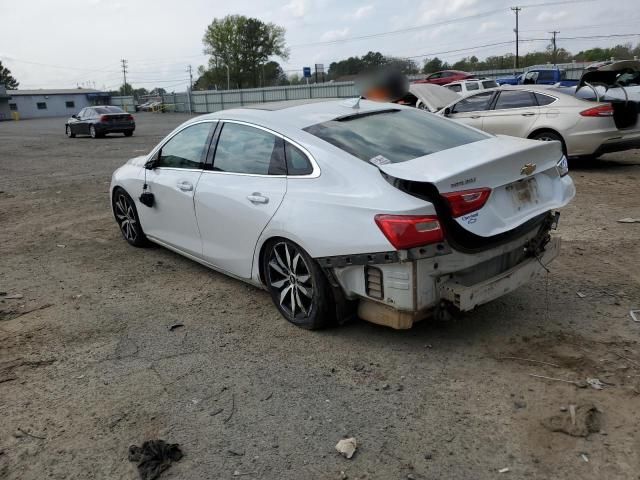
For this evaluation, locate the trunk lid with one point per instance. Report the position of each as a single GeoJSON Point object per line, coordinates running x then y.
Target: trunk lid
{"type": "Point", "coordinates": [522, 175]}
{"type": "Point", "coordinates": [117, 117]}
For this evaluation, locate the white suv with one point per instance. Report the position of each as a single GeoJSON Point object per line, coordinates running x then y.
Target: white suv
{"type": "Point", "coordinates": [467, 86]}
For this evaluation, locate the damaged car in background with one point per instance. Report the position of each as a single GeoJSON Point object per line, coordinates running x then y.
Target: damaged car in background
{"type": "Point", "coordinates": [337, 207]}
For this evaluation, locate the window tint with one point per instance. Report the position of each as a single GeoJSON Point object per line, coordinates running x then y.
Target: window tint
{"type": "Point", "coordinates": [472, 86]}
{"type": "Point", "coordinates": [435, 75]}
{"type": "Point", "coordinates": [297, 161]}
{"type": "Point", "coordinates": [544, 99]}
{"type": "Point", "coordinates": [489, 84]}
{"type": "Point", "coordinates": [546, 75]}
{"type": "Point", "coordinates": [474, 103]}
{"type": "Point", "coordinates": [41, 105]}
{"type": "Point", "coordinates": [70, 104]}
{"type": "Point", "coordinates": [392, 136]}
{"type": "Point", "coordinates": [455, 88]}
{"type": "Point", "coordinates": [514, 99]}
{"type": "Point", "coordinates": [103, 110]}
{"type": "Point", "coordinates": [244, 149]}
{"type": "Point", "coordinates": [187, 148]}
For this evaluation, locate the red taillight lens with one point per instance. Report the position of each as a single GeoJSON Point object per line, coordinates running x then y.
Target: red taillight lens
{"type": "Point", "coordinates": [599, 111]}
{"type": "Point", "coordinates": [104, 118]}
{"type": "Point", "coordinates": [408, 231]}
{"type": "Point", "coordinates": [130, 118]}
{"type": "Point", "coordinates": [467, 201]}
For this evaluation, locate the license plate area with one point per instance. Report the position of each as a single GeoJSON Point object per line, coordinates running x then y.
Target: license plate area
{"type": "Point", "coordinates": [524, 193]}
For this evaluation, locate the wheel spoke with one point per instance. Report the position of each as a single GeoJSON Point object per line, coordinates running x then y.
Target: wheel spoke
{"type": "Point", "coordinates": [305, 291]}
{"type": "Point", "coordinates": [303, 278]}
{"type": "Point", "coordinates": [279, 283]}
{"type": "Point", "coordinates": [286, 252]}
{"type": "Point", "coordinates": [293, 302]}
{"type": "Point", "coordinates": [283, 294]}
{"type": "Point", "coordinates": [295, 263]}
{"type": "Point", "coordinates": [279, 260]}
{"type": "Point", "coordinates": [276, 266]}
{"type": "Point", "coordinates": [299, 301]}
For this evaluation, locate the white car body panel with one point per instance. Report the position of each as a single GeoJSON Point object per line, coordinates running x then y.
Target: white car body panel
{"type": "Point", "coordinates": [330, 212]}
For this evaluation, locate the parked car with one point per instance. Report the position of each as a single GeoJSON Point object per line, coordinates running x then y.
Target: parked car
{"type": "Point", "coordinates": [467, 86]}
{"type": "Point", "coordinates": [445, 76]}
{"type": "Point", "coordinates": [329, 205]}
{"type": "Point", "coordinates": [99, 121]}
{"type": "Point", "coordinates": [583, 128]}
{"type": "Point", "coordinates": [539, 76]}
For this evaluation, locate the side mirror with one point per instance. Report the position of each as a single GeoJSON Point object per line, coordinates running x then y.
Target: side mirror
{"type": "Point", "coordinates": [74, 116]}
{"type": "Point", "coordinates": [153, 163]}
{"type": "Point", "coordinates": [447, 111]}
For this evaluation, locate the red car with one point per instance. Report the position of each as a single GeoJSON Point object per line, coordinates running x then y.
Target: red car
{"type": "Point", "coordinates": [445, 76]}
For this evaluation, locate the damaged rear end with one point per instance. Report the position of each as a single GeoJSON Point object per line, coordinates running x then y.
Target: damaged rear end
{"type": "Point", "coordinates": [489, 205]}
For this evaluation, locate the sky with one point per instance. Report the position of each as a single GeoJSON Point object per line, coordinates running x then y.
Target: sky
{"type": "Point", "coordinates": [69, 43]}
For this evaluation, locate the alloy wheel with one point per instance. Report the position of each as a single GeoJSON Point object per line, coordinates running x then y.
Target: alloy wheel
{"type": "Point", "coordinates": [92, 131]}
{"type": "Point", "coordinates": [126, 216]}
{"type": "Point", "coordinates": [291, 277]}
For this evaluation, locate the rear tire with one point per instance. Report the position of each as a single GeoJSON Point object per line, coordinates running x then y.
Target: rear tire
{"type": "Point", "coordinates": [128, 134]}
{"type": "Point", "coordinates": [124, 210]}
{"type": "Point", "coordinates": [298, 286]}
{"type": "Point", "coordinates": [549, 136]}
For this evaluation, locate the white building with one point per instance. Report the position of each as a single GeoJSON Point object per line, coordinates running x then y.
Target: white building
{"type": "Point", "coordinates": [55, 102]}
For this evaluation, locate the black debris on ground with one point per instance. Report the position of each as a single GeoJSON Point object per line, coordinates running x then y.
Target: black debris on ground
{"type": "Point", "coordinates": [154, 457]}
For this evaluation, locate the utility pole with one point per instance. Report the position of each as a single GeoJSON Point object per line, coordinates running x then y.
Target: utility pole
{"type": "Point", "coordinates": [555, 49]}
{"type": "Point", "coordinates": [517, 11]}
{"type": "Point", "coordinates": [124, 75]}
{"type": "Point", "coordinates": [190, 87]}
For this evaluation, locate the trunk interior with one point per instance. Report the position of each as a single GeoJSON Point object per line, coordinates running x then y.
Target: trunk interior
{"type": "Point", "coordinates": [625, 114]}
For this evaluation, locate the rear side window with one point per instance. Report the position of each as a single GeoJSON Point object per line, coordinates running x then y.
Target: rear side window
{"type": "Point", "coordinates": [472, 86]}
{"type": "Point", "coordinates": [544, 99]}
{"type": "Point", "coordinates": [393, 136]}
{"type": "Point", "coordinates": [475, 103]}
{"type": "Point", "coordinates": [297, 161]}
{"type": "Point", "coordinates": [489, 84]}
{"type": "Point", "coordinates": [455, 88]}
{"type": "Point", "coordinates": [245, 149]}
{"type": "Point", "coordinates": [514, 99]}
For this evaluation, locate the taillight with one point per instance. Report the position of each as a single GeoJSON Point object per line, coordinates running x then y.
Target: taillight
{"type": "Point", "coordinates": [599, 111]}
{"type": "Point", "coordinates": [130, 118]}
{"type": "Point", "coordinates": [467, 201]}
{"type": "Point", "coordinates": [104, 118]}
{"type": "Point", "coordinates": [408, 231]}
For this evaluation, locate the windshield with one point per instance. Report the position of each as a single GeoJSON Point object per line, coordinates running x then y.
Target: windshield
{"type": "Point", "coordinates": [393, 136]}
{"type": "Point", "coordinates": [103, 110]}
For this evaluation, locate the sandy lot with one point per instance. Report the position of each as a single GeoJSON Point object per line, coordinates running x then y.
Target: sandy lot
{"type": "Point", "coordinates": [88, 365]}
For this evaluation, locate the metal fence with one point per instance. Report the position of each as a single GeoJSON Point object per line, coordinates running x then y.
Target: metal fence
{"type": "Point", "coordinates": [213, 100]}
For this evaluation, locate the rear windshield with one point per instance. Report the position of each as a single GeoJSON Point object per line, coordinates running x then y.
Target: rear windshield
{"type": "Point", "coordinates": [393, 136]}
{"type": "Point", "coordinates": [103, 110]}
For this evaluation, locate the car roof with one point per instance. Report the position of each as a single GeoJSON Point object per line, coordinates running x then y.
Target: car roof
{"type": "Point", "coordinates": [299, 114]}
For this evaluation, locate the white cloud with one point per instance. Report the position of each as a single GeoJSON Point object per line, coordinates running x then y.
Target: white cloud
{"type": "Point", "coordinates": [296, 8]}
{"type": "Point", "coordinates": [332, 35]}
{"type": "Point", "coordinates": [552, 16]}
{"type": "Point", "coordinates": [488, 26]}
{"type": "Point", "coordinates": [361, 12]}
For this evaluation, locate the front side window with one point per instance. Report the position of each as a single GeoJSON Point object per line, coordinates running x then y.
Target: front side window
{"type": "Point", "coordinates": [515, 99]}
{"type": "Point", "coordinates": [392, 136]}
{"type": "Point", "coordinates": [245, 149]}
{"type": "Point", "coordinates": [70, 104]}
{"type": "Point", "coordinates": [546, 76]}
{"type": "Point", "coordinates": [475, 103]}
{"type": "Point", "coordinates": [41, 105]}
{"type": "Point", "coordinates": [187, 148]}
{"type": "Point", "coordinates": [489, 84]}
{"type": "Point", "coordinates": [455, 88]}
{"type": "Point", "coordinates": [472, 86]}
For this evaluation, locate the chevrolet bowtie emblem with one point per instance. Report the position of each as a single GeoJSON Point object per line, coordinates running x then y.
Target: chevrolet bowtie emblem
{"type": "Point", "coordinates": [528, 169]}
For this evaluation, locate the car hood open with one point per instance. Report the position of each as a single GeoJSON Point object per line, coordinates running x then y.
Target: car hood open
{"type": "Point", "coordinates": [434, 97]}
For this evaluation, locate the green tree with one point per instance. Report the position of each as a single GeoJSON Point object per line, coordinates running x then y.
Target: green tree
{"type": "Point", "coordinates": [244, 45]}
{"type": "Point", "coordinates": [7, 79]}
{"type": "Point", "coordinates": [434, 65]}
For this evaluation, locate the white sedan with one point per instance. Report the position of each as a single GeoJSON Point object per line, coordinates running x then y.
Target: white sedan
{"type": "Point", "coordinates": [334, 206]}
{"type": "Point", "coordinates": [584, 128]}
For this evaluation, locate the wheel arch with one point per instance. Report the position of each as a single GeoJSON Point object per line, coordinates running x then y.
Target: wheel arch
{"type": "Point", "coordinates": [550, 130]}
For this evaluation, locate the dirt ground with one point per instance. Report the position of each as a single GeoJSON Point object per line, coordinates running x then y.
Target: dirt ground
{"type": "Point", "coordinates": [88, 365]}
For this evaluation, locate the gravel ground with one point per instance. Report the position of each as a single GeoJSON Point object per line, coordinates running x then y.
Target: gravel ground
{"type": "Point", "coordinates": [88, 365]}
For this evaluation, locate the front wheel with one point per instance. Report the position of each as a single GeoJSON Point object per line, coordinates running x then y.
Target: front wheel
{"type": "Point", "coordinates": [126, 215]}
{"type": "Point", "coordinates": [69, 133]}
{"type": "Point", "coordinates": [299, 288]}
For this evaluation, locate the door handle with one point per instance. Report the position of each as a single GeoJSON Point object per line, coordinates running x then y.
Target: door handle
{"type": "Point", "coordinates": [256, 197]}
{"type": "Point", "coordinates": [185, 186]}
{"type": "Point", "coordinates": [528, 114]}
